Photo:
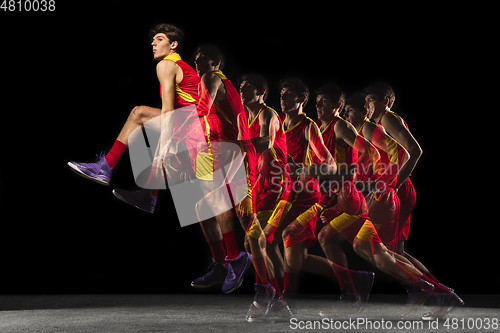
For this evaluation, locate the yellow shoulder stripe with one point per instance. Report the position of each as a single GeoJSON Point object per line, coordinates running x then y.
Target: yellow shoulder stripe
{"type": "Point", "coordinates": [174, 57]}
{"type": "Point", "coordinates": [220, 74]}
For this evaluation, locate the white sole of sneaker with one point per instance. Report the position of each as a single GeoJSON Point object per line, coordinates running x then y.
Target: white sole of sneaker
{"type": "Point", "coordinates": [84, 175]}
{"type": "Point", "coordinates": [121, 199]}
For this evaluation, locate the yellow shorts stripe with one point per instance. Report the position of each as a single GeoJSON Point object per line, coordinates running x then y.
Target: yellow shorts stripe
{"type": "Point", "coordinates": [310, 214]}
{"type": "Point", "coordinates": [205, 160]}
{"type": "Point", "coordinates": [343, 221]}
{"type": "Point", "coordinates": [280, 211]}
{"type": "Point", "coordinates": [367, 231]}
{"type": "Point", "coordinates": [262, 217]}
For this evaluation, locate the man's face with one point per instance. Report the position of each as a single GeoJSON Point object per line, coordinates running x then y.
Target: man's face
{"type": "Point", "coordinates": [289, 100]}
{"type": "Point", "coordinates": [204, 64]}
{"type": "Point", "coordinates": [374, 104]}
{"type": "Point", "coordinates": [161, 46]}
{"type": "Point", "coordinates": [249, 93]}
{"type": "Point", "coordinates": [354, 115]}
{"type": "Point", "coordinates": [325, 106]}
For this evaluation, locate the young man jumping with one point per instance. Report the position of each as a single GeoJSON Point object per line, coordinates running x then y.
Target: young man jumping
{"type": "Point", "coordinates": [178, 88]}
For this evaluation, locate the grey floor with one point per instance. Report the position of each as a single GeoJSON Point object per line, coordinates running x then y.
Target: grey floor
{"type": "Point", "coordinates": [223, 313]}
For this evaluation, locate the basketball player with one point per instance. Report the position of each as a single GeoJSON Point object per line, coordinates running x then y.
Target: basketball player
{"type": "Point", "coordinates": [335, 133]}
{"type": "Point", "coordinates": [269, 181]}
{"type": "Point", "coordinates": [179, 88]}
{"type": "Point", "coordinates": [219, 108]}
{"type": "Point", "coordinates": [379, 99]}
{"type": "Point", "coordinates": [384, 221]}
{"type": "Point", "coordinates": [383, 202]}
{"type": "Point", "coordinates": [354, 223]}
{"type": "Point", "coordinates": [303, 140]}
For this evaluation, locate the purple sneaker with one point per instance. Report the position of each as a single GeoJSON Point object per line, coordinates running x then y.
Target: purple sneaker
{"type": "Point", "coordinates": [363, 283]}
{"type": "Point", "coordinates": [217, 274]}
{"type": "Point", "coordinates": [99, 171]}
{"type": "Point", "coordinates": [418, 293]}
{"type": "Point", "coordinates": [445, 303]}
{"type": "Point", "coordinates": [141, 199]}
{"type": "Point", "coordinates": [262, 302]}
{"type": "Point", "coordinates": [239, 266]}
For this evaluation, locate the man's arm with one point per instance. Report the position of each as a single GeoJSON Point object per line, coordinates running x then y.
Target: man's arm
{"type": "Point", "coordinates": [167, 72]}
{"type": "Point", "coordinates": [397, 155]}
{"type": "Point", "coordinates": [269, 126]}
{"type": "Point", "coordinates": [396, 128]}
{"type": "Point", "coordinates": [210, 84]}
{"type": "Point", "coordinates": [328, 166]}
{"type": "Point", "coordinates": [369, 154]}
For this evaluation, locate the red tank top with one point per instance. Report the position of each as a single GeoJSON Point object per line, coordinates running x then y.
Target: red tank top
{"type": "Point", "coordinates": [279, 149]}
{"type": "Point", "coordinates": [391, 158]}
{"type": "Point", "coordinates": [229, 108]}
{"type": "Point", "coordinates": [186, 91]}
{"type": "Point", "coordinates": [399, 154]}
{"type": "Point", "coordinates": [296, 144]}
{"type": "Point", "coordinates": [298, 148]}
{"type": "Point", "coordinates": [343, 156]}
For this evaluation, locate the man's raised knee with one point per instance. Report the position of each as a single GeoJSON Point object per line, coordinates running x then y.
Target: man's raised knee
{"type": "Point", "coordinates": [138, 114]}
{"type": "Point", "coordinates": [330, 236]}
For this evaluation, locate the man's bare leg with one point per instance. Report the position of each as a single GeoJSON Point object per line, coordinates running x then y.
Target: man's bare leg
{"type": "Point", "coordinates": [102, 170]}
{"type": "Point", "coordinates": [330, 241]}
{"type": "Point", "coordinates": [138, 116]}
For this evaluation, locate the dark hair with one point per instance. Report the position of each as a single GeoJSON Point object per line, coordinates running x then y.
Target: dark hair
{"type": "Point", "coordinates": [334, 92]}
{"type": "Point", "coordinates": [297, 85]}
{"type": "Point", "coordinates": [382, 91]}
{"type": "Point", "coordinates": [173, 33]}
{"type": "Point", "coordinates": [257, 80]}
{"type": "Point", "coordinates": [357, 100]}
{"type": "Point", "coordinates": [212, 51]}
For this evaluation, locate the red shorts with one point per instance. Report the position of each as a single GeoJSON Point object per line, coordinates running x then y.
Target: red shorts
{"type": "Point", "coordinates": [267, 191]}
{"type": "Point", "coordinates": [407, 199]}
{"type": "Point", "coordinates": [298, 203]}
{"type": "Point", "coordinates": [205, 156]}
{"type": "Point", "coordinates": [354, 221]}
{"type": "Point", "coordinates": [352, 226]}
{"type": "Point", "coordinates": [270, 198]}
{"type": "Point", "coordinates": [384, 213]}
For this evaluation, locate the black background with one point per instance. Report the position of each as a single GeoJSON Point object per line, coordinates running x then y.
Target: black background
{"type": "Point", "coordinates": [72, 76]}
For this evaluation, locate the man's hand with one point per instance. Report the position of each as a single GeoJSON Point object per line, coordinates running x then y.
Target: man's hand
{"type": "Point", "coordinates": [158, 177]}
{"type": "Point", "coordinates": [329, 214]}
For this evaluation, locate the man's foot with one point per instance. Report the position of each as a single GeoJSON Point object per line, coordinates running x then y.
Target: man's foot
{"type": "Point", "coordinates": [445, 303]}
{"type": "Point", "coordinates": [141, 199]}
{"type": "Point", "coordinates": [217, 274]}
{"type": "Point", "coordinates": [239, 266]}
{"type": "Point", "coordinates": [261, 302]}
{"type": "Point", "coordinates": [348, 304]}
{"type": "Point", "coordinates": [418, 293]}
{"type": "Point", "coordinates": [278, 311]}
{"type": "Point", "coordinates": [363, 283]}
{"type": "Point", "coordinates": [99, 171]}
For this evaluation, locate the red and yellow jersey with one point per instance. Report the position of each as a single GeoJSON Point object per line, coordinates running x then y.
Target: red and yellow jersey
{"type": "Point", "coordinates": [278, 149]}
{"type": "Point", "coordinates": [396, 155]}
{"type": "Point", "coordinates": [186, 91]}
{"type": "Point", "coordinates": [344, 156]}
{"type": "Point", "coordinates": [226, 110]}
{"type": "Point", "coordinates": [229, 108]}
{"type": "Point", "coordinates": [296, 144]}
{"type": "Point", "coordinates": [391, 157]}
{"type": "Point", "coordinates": [299, 149]}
